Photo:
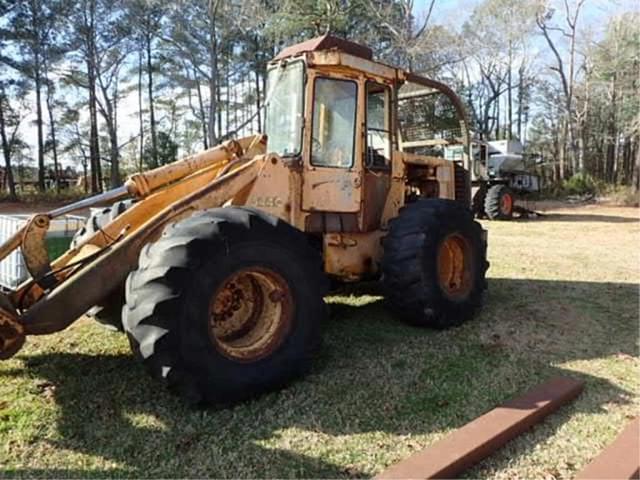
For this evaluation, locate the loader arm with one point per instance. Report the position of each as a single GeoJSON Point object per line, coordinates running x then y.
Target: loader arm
{"type": "Point", "coordinates": [63, 290]}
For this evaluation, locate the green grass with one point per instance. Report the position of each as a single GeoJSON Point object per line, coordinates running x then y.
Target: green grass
{"type": "Point", "coordinates": [563, 299]}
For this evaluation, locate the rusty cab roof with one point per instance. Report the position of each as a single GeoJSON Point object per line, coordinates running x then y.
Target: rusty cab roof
{"type": "Point", "coordinates": [326, 42]}
{"type": "Point", "coordinates": [331, 51]}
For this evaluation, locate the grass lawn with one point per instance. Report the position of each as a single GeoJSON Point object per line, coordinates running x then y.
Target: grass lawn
{"type": "Point", "coordinates": [563, 299]}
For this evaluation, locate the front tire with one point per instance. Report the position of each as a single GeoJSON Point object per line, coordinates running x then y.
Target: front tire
{"type": "Point", "coordinates": [227, 304]}
{"type": "Point", "coordinates": [434, 264]}
{"type": "Point", "coordinates": [499, 202]}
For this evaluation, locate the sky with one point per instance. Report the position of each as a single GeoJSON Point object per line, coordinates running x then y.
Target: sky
{"type": "Point", "coordinates": [451, 13]}
{"type": "Point", "coordinates": [457, 11]}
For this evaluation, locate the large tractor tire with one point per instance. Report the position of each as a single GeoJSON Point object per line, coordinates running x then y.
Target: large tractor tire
{"type": "Point", "coordinates": [499, 202]}
{"type": "Point", "coordinates": [109, 311]}
{"type": "Point", "coordinates": [478, 202]}
{"type": "Point", "coordinates": [434, 264]}
{"type": "Point", "coordinates": [225, 305]}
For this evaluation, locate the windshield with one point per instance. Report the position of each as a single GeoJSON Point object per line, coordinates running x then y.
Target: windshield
{"type": "Point", "coordinates": [284, 109]}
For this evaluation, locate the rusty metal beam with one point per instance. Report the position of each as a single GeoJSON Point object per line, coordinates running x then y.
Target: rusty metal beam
{"type": "Point", "coordinates": [621, 459]}
{"type": "Point", "coordinates": [478, 439]}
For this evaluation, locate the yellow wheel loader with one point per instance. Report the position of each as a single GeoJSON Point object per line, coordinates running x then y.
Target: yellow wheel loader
{"type": "Point", "coordinates": [216, 266]}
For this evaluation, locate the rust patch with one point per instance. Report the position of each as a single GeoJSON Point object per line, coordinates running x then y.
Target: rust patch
{"type": "Point", "coordinates": [11, 331]}
{"type": "Point", "coordinates": [250, 314]}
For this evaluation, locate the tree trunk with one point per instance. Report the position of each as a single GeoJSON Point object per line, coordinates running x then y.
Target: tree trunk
{"type": "Point", "coordinates": [258, 105]}
{"type": "Point", "coordinates": [218, 109]}
{"type": "Point", "coordinates": [94, 146]}
{"type": "Point", "coordinates": [234, 100]}
{"type": "Point", "coordinates": [227, 84]}
{"type": "Point", "coordinates": [562, 150]}
{"type": "Point", "coordinates": [572, 60]}
{"type": "Point", "coordinates": [140, 116]}
{"type": "Point", "coordinates": [52, 126]}
{"type": "Point", "coordinates": [520, 100]}
{"type": "Point", "coordinates": [84, 174]}
{"type": "Point", "coordinates": [39, 121]}
{"type": "Point", "coordinates": [211, 124]}
{"type": "Point", "coordinates": [625, 173]}
{"type": "Point", "coordinates": [615, 173]}
{"type": "Point", "coordinates": [509, 97]}
{"type": "Point", "coordinates": [94, 140]}
{"type": "Point", "coordinates": [497, 117]}
{"type": "Point", "coordinates": [203, 115]}
{"type": "Point", "coordinates": [556, 154]}
{"type": "Point", "coordinates": [152, 115]}
{"type": "Point", "coordinates": [6, 150]}
{"type": "Point", "coordinates": [36, 26]}
{"type": "Point", "coordinates": [584, 126]}
{"type": "Point", "coordinates": [213, 71]}
{"type": "Point", "coordinates": [635, 182]}
{"type": "Point", "coordinates": [111, 118]}
{"type": "Point", "coordinates": [613, 132]}
{"type": "Point", "coordinates": [114, 156]}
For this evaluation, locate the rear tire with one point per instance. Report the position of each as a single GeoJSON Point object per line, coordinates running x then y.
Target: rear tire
{"type": "Point", "coordinates": [434, 264]}
{"type": "Point", "coordinates": [498, 203]}
{"type": "Point", "coordinates": [109, 312]}
{"type": "Point", "coordinates": [97, 221]}
{"type": "Point", "coordinates": [227, 304]}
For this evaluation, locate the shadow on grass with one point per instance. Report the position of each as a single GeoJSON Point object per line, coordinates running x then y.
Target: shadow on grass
{"type": "Point", "coordinates": [584, 217]}
{"type": "Point", "coordinates": [374, 376]}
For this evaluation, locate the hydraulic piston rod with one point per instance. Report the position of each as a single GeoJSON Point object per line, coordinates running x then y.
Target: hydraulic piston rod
{"type": "Point", "coordinates": [108, 196]}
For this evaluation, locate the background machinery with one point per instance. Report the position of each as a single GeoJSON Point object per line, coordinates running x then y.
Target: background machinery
{"type": "Point", "coordinates": [216, 266]}
{"type": "Point", "coordinates": [501, 175]}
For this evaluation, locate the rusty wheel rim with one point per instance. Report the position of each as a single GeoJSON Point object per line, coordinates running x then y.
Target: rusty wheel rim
{"type": "Point", "coordinates": [455, 266]}
{"type": "Point", "coordinates": [506, 204]}
{"type": "Point", "coordinates": [250, 314]}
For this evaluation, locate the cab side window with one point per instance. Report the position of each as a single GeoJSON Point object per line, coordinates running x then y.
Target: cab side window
{"type": "Point", "coordinates": [334, 123]}
{"type": "Point", "coordinates": [378, 151]}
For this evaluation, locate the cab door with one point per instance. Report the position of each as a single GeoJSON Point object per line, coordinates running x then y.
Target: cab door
{"type": "Point", "coordinates": [333, 172]}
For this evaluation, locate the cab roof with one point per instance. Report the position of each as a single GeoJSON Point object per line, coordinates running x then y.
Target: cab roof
{"type": "Point", "coordinates": [335, 52]}
{"type": "Point", "coordinates": [326, 42]}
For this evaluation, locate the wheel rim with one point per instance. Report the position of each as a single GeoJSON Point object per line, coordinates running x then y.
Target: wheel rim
{"type": "Point", "coordinates": [250, 314]}
{"type": "Point", "coordinates": [455, 266]}
{"type": "Point", "coordinates": [506, 204]}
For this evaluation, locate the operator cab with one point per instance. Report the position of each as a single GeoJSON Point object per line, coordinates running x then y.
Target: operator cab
{"type": "Point", "coordinates": [330, 111]}
{"type": "Point", "coordinates": [334, 120]}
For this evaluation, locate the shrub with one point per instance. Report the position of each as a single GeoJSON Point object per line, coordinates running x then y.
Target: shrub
{"type": "Point", "coordinates": [580, 184]}
{"type": "Point", "coordinates": [623, 195]}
